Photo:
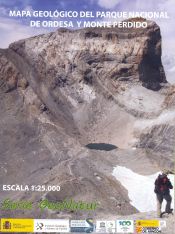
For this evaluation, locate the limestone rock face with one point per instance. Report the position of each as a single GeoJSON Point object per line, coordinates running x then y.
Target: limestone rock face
{"type": "Point", "coordinates": [64, 90]}
{"type": "Point", "coordinates": [112, 54]}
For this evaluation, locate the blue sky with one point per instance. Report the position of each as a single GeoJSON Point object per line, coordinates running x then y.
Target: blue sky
{"type": "Point", "coordinates": [13, 29]}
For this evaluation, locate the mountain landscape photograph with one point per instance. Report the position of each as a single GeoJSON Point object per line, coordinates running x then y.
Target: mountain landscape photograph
{"type": "Point", "coordinates": [91, 110]}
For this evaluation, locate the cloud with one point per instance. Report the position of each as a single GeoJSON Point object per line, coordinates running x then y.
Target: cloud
{"type": "Point", "coordinates": [62, 3]}
{"type": "Point", "coordinates": [169, 65]}
{"type": "Point", "coordinates": [3, 11]}
{"type": "Point", "coordinates": [28, 8]}
{"type": "Point", "coordinates": [15, 2]}
{"type": "Point", "coordinates": [147, 4]}
{"type": "Point", "coordinates": [108, 4]}
{"type": "Point", "coordinates": [13, 30]}
{"type": "Point", "coordinates": [168, 34]}
{"type": "Point", "coordinates": [8, 3]}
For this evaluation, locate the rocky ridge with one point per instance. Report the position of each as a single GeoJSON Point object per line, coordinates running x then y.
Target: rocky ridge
{"type": "Point", "coordinates": [63, 90]}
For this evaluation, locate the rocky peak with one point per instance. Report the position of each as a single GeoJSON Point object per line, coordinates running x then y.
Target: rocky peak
{"type": "Point", "coordinates": [132, 55]}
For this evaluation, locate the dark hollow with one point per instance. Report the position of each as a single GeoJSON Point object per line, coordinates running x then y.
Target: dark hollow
{"type": "Point", "coordinates": [101, 146]}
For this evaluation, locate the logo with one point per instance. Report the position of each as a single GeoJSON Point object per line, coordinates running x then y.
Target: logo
{"type": "Point", "coordinates": [148, 226]}
{"type": "Point", "coordinates": [106, 226]}
{"type": "Point", "coordinates": [17, 225]}
{"type": "Point", "coordinates": [147, 223]}
{"type": "Point", "coordinates": [125, 226]}
{"type": "Point", "coordinates": [148, 230]}
{"type": "Point", "coordinates": [138, 229]}
{"type": "Point", "coordinates": [102, 225]}
{"type": "Point", "coordinates": [51, 225]}
{"type": "Point", "coordinates": [151, 230]}
{"type": "Point", "coordinates": [86, 226]}
{"type": "Point", "coordinates": [39, 226]}
{"type": "Point", "coordinates": [7, 225]}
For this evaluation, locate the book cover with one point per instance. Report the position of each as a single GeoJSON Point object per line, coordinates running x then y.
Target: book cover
{"type": "Point", "coordinates": [87, 116]}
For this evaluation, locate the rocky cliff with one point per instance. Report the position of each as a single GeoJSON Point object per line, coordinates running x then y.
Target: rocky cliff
{"type": "Point", "coordinates": [66, 89]}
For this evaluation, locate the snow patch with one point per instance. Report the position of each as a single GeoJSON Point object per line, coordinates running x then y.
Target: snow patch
{"type": "Point", "coordinates": [140, 188]}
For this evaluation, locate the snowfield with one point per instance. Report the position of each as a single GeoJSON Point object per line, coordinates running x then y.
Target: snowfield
{"type": "Point", "coordinates": [140, 188]}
